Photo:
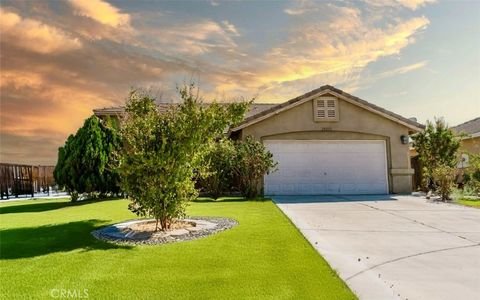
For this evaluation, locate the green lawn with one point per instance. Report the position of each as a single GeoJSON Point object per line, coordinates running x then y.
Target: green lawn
{"type": "Point", "coordinates": [469, 202]}
{"type": "Point", "coordinates": [46, 247]}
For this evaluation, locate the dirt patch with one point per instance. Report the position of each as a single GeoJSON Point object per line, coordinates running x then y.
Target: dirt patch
{"type": "Point", "coordinates": [150, 226]}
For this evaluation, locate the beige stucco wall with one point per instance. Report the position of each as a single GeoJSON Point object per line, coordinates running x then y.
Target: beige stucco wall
{"type": "Point", "coordinates": [470, 145]}
{"type": "Point", "coordinates": [355, 123]}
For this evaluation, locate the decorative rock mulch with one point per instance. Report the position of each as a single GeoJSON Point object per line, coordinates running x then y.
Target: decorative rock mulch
{"type": "Point", "coordinates": [204, 226]}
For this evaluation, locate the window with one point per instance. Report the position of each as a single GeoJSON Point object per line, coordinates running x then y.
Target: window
{"type": "Point", "coordinates": [325, 109]}
{"type": "Point", "coordinates": [463, 163]}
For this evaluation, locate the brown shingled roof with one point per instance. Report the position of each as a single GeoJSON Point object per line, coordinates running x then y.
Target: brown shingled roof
{"type": "Point", "coordinates": [251, 119]}
{"type": "Point", "coordinates": [118, 110]}
{"type": "Point", "coordinates": [469, 127]}
{"type": "Point", "coordinates": [263, 110]}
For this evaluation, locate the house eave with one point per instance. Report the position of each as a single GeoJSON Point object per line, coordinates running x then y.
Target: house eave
{"type": "Point", "coordinates": [471, 136]}
{"type": "Point", "coordinates": [415, 127]}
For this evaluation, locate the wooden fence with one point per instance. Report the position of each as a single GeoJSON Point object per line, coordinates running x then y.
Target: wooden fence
{"type": "Point", "coordinates": [16, 180]}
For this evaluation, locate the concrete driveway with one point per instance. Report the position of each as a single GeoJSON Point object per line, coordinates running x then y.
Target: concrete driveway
{"type": "Point", "coordinates": [393, 247]}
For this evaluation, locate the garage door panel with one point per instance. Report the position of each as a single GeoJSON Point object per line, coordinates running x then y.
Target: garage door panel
{"type": "Point", "coordinates": [327, 167]}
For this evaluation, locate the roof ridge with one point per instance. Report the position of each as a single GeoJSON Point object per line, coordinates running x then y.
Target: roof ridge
{"type": "Point", "coordinates": [467, 122]}
{"type": "Point", "coordinates": [335, 90]}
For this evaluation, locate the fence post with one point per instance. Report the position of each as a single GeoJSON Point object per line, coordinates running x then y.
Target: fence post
{"type": "Point", "coordinates": [31, 181]}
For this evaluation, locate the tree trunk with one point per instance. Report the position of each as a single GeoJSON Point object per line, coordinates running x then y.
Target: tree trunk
{"type": "Point", "coordinates": [163, 223]}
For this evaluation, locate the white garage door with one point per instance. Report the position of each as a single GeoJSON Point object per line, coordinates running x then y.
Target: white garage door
{"type": "Point", "coordinates": [327, 167]}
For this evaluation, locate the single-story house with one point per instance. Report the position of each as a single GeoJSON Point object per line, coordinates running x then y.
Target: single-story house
{"type": "Point", "coordinates": [470, 143]}
{"type": "Point", "coordinates": [329, 142]}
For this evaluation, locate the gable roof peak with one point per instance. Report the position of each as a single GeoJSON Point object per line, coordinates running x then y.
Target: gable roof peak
{"type": "Point", "coordinates": [338, 93]}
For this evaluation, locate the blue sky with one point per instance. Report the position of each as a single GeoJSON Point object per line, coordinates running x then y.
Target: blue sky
{"type": "Point", "coordinates": [61, 59]}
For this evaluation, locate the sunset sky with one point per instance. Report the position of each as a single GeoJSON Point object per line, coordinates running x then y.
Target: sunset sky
{"type": "Point", "coordinates": [61, 59]}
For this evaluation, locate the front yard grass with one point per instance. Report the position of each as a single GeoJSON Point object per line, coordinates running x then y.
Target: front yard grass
{"type": "Point", "coordinates": [46, 247]}
{"type": "Point", "coordinates": [469, 202]}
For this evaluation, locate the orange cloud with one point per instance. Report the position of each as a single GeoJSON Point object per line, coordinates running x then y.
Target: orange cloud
{"type": "Point", "coordinates": [19, 80]}
{"type": "Point", "coordinates": [46, 97]}
{"type": "Point", "coordinates": [101, 11]}
{"type": "Point", "coordinates": [34, 35]}
{"type": "Point", "coordinates": [51, 108]}
{"type": "Point", "coordinates": [333, 51]}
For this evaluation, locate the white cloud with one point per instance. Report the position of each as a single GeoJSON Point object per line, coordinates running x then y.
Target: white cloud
{"type": "Point", "coordinates": [365, 81]}
{"type": "Point", "coordinates": [404, 69]}
{"type": "Point", "coordinates": [230, 28]}
{"type": "Point", "coordinates": [101, 11]}
{"type": "Point", "coordinates": [411, 4]}
{"type": "Point", "coordinates": [195, 38]}
{"type": "Point", "coordinates": [301, 7]}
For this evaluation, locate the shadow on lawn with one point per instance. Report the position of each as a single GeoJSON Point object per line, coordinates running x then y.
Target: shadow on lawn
{"type": "Point", "coordinates": [36, 241]}
{"type": "Point", "coordinates": [28, 206]}
{"type": "Point", "coordinates": [219, 200]}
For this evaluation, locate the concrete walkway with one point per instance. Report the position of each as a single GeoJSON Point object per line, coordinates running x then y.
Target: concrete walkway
{"type": "Point", "coordinates": [53, 195]}
{"type": "Point", "coordinates": [393, 247]}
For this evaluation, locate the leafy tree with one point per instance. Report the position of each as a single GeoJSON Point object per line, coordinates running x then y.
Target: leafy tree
{"type": "Point", "coordinates": [472, 177]}
{"type": "Point", "coordinates": [163, 150]}
{"type": "Point", "coordinates": [437, 147]}
{"type": "Point", "coordinates": [444, 177]}
{"type": "Point", "coordinates": [252, 162]}
{"type": "Point", "coordinates": [218, 177]}
{"type": "Point", "coordinates": [85, 162]}
{"type": "Point", "coordinates": [64, 172]}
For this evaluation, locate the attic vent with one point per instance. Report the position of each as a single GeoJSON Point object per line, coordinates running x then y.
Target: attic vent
{"type": "Point", "coordinates": [326, 109]}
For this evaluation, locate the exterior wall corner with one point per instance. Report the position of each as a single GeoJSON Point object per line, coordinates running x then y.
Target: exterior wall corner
{"type": "Point", "coordinates": [402, 183]}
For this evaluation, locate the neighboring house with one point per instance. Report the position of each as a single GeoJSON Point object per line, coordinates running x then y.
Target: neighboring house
{"type": "Point", "coordinates": [329, 142]}
{"type": "Point", "coordinates": [470, 141]}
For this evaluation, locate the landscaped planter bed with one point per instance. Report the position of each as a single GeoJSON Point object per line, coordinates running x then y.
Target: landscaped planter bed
{"type": "Point", "coordinates": [143, 231]}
